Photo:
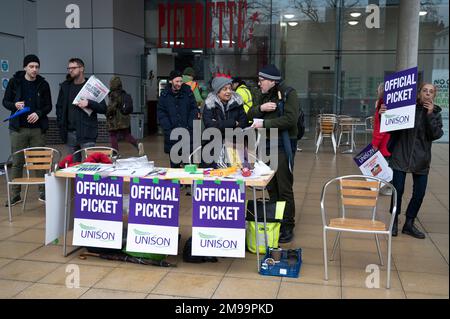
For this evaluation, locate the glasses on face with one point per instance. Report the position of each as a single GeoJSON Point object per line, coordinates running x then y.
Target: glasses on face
{"type": "Point", "coordinates": [72, 68]}
{"type": "Point", "coordinates": [431, 91]}
{"type": "Point", "coordinates": [260, 80]}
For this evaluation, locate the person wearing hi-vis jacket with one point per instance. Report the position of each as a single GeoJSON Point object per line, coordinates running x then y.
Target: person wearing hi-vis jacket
{"type": "Point", "coordinates": [411, 153]}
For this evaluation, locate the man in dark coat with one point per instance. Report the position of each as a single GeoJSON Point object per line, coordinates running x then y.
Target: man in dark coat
{"type": "Point", "coordinates": [78, 125]}
{"type": "Point", "coordinates": [411, 153]}
{"type": "Point", "coordinates": [176, 108]}
{"type": "Point", "coordinates": [265, 108]}
{"type": "Point", "coordinates": [27, 89]}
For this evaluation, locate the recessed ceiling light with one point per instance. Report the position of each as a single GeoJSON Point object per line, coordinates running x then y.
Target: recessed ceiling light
{"type": "Point", "coordinates": [172, 43]}
{"type": "Point", "coordinates": [292, 24]}
{"type": "Point", "coordinates": [422, 13]}
{"type": "Point", "coordinates": [197, 51]}
{"type": "Point", "coordinates": [355, 14]}
{"type": "Point", "coordinates": [225, 41]}
{"type": "Point", "coordinates": [283, 24]}
{"type": "Point", "coordinates": [289, 16]}
{"type": "Point", "coordinates": [353, 22]}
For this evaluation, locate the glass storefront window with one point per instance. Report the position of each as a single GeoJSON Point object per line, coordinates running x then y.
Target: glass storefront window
{"type": "Point", "coordinates": [333, 52]}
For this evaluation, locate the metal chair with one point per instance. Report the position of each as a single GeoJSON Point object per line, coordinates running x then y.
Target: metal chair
{"type": "Point", "coordinates": [358, 191]}
{"type": "Point", "coordinates": [35, 159]}
{"type": "Point", "coordinates": [369, 126]}
{"type": "Point", "coordinates": [85, 152]}
{"type": "Point", "coordinates": [327, 124]}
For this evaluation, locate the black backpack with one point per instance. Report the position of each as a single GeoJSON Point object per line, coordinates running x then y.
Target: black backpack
{"type": "Point", "coordinates": [127, 107]}
{"type": "Point", "coordinates": [301, 115]}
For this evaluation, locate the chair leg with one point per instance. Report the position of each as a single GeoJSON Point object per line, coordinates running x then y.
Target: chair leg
{"type": "Point", "coordinates": [319, 141]}
{"type": "Point", "coordinates": [9, 205]}
{"type": "Point", "coordinates": [379, 250]}
{"type": "Point", "coordinates": [325, 259]}
{"type": "Point", "coordinates": [336, 241]}
{"type": "Point", "coordinates": [339, 139]}
{"type": "Point", "coordinates": [333, 140]}
{"type": "Point", "coordinates": [388, 283]}
{"type": "Point", "coordinates": [25, 198]}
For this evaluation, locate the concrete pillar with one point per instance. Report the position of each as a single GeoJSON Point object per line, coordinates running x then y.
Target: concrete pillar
{"type": "Point", "coordinates": [408, 34]}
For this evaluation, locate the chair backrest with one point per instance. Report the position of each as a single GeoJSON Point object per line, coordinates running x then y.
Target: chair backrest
{"type": "Point", "coordinates": [327, 124]}
{"type": "Point", "coordinates": [358, 191]}
{"type": "Point", "coordinates": [109, 151]}
{"type": "Point", "coordinates": [36, 158]}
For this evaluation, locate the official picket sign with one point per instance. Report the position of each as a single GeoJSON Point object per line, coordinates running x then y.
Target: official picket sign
{"type": "Point", "coordinates": [98, 211]}
{"type": "Point", "coordinates": [400, 93]}
{"type": "Point", "coordinates": [153, 216]}
{"type": "Point", "coordinates": [372, 163]}
{"type": "Point", "coordinates": [218, 219]}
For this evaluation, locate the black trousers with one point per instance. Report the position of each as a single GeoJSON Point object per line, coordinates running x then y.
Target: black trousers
{"type": "Point", "coordinates": [280, 188]}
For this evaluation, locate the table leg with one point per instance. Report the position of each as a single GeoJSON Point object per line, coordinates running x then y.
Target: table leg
{"type": "Point", "coordinates": [256, 228]}
{"type": "Point", "coordinates": [351, 149]}
{"type": "Point", "coordinates": [265, 221]}
{"type": "Point", "coordinates": [66, 217]}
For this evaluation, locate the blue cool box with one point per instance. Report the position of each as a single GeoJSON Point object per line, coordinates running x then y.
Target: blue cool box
{"type": "Point", "coordinates": [288, 266]}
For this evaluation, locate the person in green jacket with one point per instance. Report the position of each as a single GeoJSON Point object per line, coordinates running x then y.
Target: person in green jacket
{"type": "Point", "coordinates": [188, 78]}
{"type": "Point", "coordinates": [266, 107]}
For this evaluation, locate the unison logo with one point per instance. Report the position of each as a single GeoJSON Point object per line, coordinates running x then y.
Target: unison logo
{"type": "Point", "coordinates": [146, 238]}
{"type": "Point", "coordinates": [394, 119]}
{"type": "Point", "coordinates": [212, 241]}
{"type": "Point", "coordinates": [90, 232]}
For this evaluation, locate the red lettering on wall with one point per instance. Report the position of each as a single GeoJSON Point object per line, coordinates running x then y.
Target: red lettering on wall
{"type": "Point", "coordinates": [161, 22]}
{"type": "Point", "coordinates": [188, 42]}
{"type": "Point", "coordinates": [191, 28]}
{"type": "Point", "coordinates": [199, 25]}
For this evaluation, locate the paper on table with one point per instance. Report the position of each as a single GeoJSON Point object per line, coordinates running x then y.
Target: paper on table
{"type": "Point", "coordinates": [135, 172]}
{"type": "Point", "coordinates": [88, 168]}
{"type": "Point", "coordinates": [93, 90]}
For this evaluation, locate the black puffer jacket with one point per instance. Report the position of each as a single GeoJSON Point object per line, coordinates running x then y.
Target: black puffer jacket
{"type": "Point", "coordinates": [176, 110]}
{"type": "Point", "coordinates": [411, 148]}
{"type": "Point", "coordinates": [215, 114]}
{"type": "Point", "coordinates": [14, 94]}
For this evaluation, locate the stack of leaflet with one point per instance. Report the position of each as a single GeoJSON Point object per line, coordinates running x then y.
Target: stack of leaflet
{"type": "Point", "coordinates": [88, 168]}
{"type": "Point", "coordinates": [133, 166]}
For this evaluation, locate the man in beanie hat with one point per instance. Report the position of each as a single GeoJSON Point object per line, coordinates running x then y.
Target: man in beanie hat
{"type": "Point", "coordinates": [188, 78]}
{"type": "Point", "coordinates": [176, 108]}
{"type": "Point", "coordinates": [77, 128]}
{"type": "Point", "coordinates": [267, 107]}
{"type": "Point", "coordinates": [27, 89]}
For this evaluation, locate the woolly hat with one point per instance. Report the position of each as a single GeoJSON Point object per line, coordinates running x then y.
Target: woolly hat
{"type": "Point", "coordinates": [174, 74]}
{"type": "Point", "coordinates": [219, 82]}
{"type": "Point", "coordinates": [30, 58]}
{"type": "Point", "coordinates": [270, 72]}
{"type": "Point", "coordinates": [189, 71]}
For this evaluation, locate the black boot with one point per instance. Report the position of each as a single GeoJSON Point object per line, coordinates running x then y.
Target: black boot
{"type": "Point", "coordinates": [411, 230]}
{"type": "Point", "coordinates": [395, 227]}
{"type": "Point", "coordinates": [286, 235]}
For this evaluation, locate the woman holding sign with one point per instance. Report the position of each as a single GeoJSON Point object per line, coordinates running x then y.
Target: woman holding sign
{"type": "Point", "coordinates": [411, 153]}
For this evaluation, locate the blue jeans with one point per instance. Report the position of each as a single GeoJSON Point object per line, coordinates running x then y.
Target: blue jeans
{"type": "Point", "coordinates": [419, 189]}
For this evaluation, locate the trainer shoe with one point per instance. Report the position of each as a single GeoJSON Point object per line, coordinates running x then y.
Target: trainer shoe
{"type": "Point", "coordinates": [14, 201]}
{"type": "Point", "coordinates": [42, 197]}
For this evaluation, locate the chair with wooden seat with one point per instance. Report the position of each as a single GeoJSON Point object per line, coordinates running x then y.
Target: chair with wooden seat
{"type": "Point", "coordinates": [361, 193]}
{"type": "Point", "coordinates": [327, 128]}
{"type": "Point", "coordinates": [35, 159]}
